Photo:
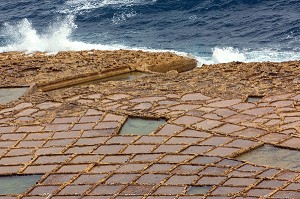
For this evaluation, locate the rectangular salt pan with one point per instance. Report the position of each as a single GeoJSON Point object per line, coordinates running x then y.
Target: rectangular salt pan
{"type": "Point", "coordinates": [11, 94]}
{"type": "Point", "coordinates": [198, 190]}
{"type": "Point", "coordinates": [139, 126]}
{"type": "Point", "coordinates": [254, 99]}
{"type": "Point", "coordinates": [273, 156]}
{"type": "Point", "coordinates": [13, 185]}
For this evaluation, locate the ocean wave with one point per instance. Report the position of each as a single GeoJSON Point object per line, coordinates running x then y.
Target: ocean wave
{"type": "Point", "coordinates": [184, 28]}
{"type": "Point", "coordinates": [230, 54]}
{"type": "Point", "coordinates": [24, 37]}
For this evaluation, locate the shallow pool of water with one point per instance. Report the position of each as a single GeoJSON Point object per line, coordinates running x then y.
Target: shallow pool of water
{"type": "Point", "coordinates": [17, 184]}
{"type": "Point", "coordinates": [198, 190]}
{"type": "Point", "coordinates": [140, 126]}
{"type": "Point", "coordinates": [273, 156]}
{"type": "Point", "coordinates": [11, 94]}
{"type": "Point", "coordinates": [254, 99]}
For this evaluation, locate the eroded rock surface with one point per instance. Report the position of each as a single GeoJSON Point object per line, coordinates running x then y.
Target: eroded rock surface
{"type": "Point", "coordinates": [17, 68]}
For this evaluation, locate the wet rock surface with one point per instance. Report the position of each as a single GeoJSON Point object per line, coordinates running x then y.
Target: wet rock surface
{"type": "Point", "coordinates": [72, 135]}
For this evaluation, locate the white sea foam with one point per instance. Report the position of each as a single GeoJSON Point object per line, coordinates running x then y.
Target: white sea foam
{"type": "Point", "coordinates": [229, 54]}
{"type": "Point", "coordinates": [77, 6]}
{"type": "Point", "coordinates": [119, 18]}
{"type": "Point", "coordinates": [24, 37]}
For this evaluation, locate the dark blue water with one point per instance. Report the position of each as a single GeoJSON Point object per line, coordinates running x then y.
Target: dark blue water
{"type": "Point", "coordinates": [211, 30]}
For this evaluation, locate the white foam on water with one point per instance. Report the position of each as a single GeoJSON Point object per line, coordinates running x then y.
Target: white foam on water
{"type": "Point", "coordinates": [273, 55]}
{"type": "Point", "coordinates": [77, 6]}
{"type": "Point", "coordinates": [119, 18]}
{"type": "Point", "coordinates": [24, 37]}
{"type": "Point", "coordinates": [228, 54]}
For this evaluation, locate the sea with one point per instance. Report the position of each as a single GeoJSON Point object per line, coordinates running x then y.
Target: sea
{"type": "Point", "coordinates": [212, 31]}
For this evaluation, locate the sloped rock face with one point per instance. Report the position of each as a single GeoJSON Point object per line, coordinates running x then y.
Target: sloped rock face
{"type": "Point", "coordinates": [18, 68]}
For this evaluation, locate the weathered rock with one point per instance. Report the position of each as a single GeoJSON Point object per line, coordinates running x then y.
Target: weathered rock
{"type": "Point", "coordinates": [17, 68]}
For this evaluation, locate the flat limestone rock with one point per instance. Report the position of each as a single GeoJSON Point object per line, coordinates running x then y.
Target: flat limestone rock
{"type": "Point", "coordinates": [19, 68]}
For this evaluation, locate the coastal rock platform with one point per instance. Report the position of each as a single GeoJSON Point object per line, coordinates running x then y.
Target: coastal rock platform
{"type": "Point", "coordinates": [67, 130]}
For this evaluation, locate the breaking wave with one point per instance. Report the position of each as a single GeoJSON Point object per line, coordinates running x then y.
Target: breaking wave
{"type": "Point", "coordinates": [229, 54]}
{"type": "Point", "coordinates": [24, 37]}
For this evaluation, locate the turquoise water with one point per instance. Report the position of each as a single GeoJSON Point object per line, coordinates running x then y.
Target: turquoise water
{"type": "Point", "coordinates": [17, 184]}
{"type": "Point", "coordinates": [139, 126]}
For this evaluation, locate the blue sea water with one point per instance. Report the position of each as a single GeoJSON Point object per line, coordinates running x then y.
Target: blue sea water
{"type": "Point", "coordinates": [213, 31]}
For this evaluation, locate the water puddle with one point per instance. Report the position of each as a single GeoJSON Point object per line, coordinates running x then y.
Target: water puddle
{"type": "Point", "coordinates": [198, 190]}
{"type": "Point", "coordinates": [140, 126]}
{"type": "Point", "coordinates": [273, 156]}
{"type": "Point", "coordinates": [10, 94]}
{"type": "Point", "coordinates": [17, 184]}
{"type": "Point", "coordinates": [254, 99]}
{"type": "Point", "coordinates": [122, 77]}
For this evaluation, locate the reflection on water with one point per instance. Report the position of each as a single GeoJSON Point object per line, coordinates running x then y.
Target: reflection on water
{"type": "Point", "coordinates": [10, 94]}
{"type": "Point", "coordinates": [139, 126]}
{"type": "Point", "coordinates": [254, 99]}
{"type": "Point", "coordinates": [17, 184]}
{"type": "Point", "coordinates": [122, 77]}
{"type": "Point", "coordinates": [273, 156]}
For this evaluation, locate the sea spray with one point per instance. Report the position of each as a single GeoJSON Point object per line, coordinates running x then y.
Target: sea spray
{"type": "Point", "coordinates": [24, 37]}
{"type": "Point", "coordinates": [228, 54]}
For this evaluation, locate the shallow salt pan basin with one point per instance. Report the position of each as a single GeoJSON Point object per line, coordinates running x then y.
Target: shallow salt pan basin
{"type": "Point", "coordinates": [9, 94]}
{"type": "Point", "coordinates": [273, 156]}
{"type": "Point", "coordinates": [254, 99]}
{"type": "Point", "coordinates": [17, 184]}
{"type": "Point", "coordinates": [139, 126]}
{"type": "Point", "coordinates": [198, 190]}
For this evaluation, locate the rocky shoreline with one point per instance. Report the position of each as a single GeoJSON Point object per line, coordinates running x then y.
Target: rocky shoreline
{"type": "Point", "coordinates": [20, 68]}
{"type": "Point", "coordinates": [231, 80]}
